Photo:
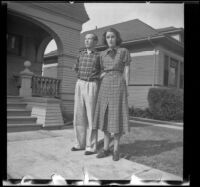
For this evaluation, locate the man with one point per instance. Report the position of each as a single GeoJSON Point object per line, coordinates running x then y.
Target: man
{"type": "Point", "coordinates": [86, 90]}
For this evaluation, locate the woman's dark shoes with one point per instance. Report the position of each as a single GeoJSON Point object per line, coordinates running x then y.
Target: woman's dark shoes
{"type": "Point", "coordinates": [90, 152]}
{"type": "Point", "coordinates": [103, 153]}
{"type": "Point", "coordinates": [76, 149]}
{"type": "Point", "coordinates": [115, 155]}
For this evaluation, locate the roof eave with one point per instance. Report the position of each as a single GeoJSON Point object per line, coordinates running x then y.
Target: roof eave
{"type": "Point", "coordinates": [146, 39]}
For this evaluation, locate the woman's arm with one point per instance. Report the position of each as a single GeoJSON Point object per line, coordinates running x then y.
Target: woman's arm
{"type": "Point", "coordinates": [127, 74]}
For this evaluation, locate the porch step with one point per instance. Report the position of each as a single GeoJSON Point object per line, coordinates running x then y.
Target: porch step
{"type": "Point", "coordinates": [18, 117]}
{"type": "Point", "coordinates": [18, 112]}
{"type": "Point", "coordinates": [16, 105]}
{"type": "Point", "coordinates": [21, 120]}
{"type": "Point", "coordinates": [23, 127]}
{"type": "Point", "coordinates": [14, 98]}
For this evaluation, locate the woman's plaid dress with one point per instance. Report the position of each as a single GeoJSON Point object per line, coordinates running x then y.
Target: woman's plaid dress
{"type": "Point", "coordinates": [111, 113]}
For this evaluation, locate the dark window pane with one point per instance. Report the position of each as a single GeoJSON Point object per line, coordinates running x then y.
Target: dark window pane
{"type": "Point", "coordinates": [182, 75]}
{"type": "Point", "coordinates": [173, 73]}
{"type": "Point", "coordinates": [13, 44]}
{"type": "Point", "coordinates": [166, 70]}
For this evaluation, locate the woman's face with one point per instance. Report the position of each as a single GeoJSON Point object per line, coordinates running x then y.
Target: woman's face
{"type": "Point", "coordinates": [111, 39]}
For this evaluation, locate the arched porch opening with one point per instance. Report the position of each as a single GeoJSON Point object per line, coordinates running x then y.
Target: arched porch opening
{"type": "Point", "coordinates": [27, 39]}
{"type": "Point", "coordinates": [50, 60]}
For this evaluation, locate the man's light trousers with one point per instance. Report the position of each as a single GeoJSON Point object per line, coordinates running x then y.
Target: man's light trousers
{"type": "Point", "coordinates": [84, 107]}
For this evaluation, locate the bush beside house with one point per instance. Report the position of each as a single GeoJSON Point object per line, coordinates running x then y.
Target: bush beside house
{"type": "Point", "coordinates": [164, 104]}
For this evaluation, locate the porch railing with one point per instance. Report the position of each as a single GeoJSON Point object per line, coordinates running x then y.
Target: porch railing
{"type": "Point", "coordinates": [45, 86]}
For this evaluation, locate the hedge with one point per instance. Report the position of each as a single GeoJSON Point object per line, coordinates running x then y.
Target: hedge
{"type": "Point", "coordinates": [138, 112]}
{"type": "Point", "coordinates": [166, 103]}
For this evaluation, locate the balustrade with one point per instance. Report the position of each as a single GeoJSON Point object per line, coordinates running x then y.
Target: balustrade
{"type": "Point", "coordinates": [35, 85]}
{"type": "Point", "coordinates": [45, 86]}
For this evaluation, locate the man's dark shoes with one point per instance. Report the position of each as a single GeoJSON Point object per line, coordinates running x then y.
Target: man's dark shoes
{"type": "Point", "coordinates": [90, 152]}
{"type": "Point", "coordinates": [115, 155]}
{"type": "Point", "coordinates": [103, 153]}
{"type": "Point", "coordinates": [76, 149]}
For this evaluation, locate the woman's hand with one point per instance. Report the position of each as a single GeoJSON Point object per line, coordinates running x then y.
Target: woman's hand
{"type": "Point", "coordinates": [102, 75]}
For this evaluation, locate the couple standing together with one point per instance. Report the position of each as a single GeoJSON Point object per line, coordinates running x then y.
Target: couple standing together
{"type": "Point", "coordinates": [101, 94]}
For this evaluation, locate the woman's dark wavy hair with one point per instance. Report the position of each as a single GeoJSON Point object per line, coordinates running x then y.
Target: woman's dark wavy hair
{"type": "Point", "coordinates": [117, 34]}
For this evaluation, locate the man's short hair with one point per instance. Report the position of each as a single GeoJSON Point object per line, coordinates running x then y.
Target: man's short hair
{"type": "Point", "coordinates": [95, 37]}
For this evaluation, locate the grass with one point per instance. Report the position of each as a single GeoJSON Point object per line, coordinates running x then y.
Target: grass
{"type": "Point", "coordinates": [145, 113]}
{"type": "Point", "coordinates": [157, 147]}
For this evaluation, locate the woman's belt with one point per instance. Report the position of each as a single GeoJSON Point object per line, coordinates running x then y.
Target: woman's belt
{"type": "Point", "coordinates": [88, 79]}
{"type": "Point", "coordinates": [111, 72]}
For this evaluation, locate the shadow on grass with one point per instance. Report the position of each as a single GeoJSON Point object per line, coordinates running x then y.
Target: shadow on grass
{"type": "Point", "coordinates": [148, 147]}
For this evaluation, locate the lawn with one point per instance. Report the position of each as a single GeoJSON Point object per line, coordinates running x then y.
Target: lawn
{"type": "Point", "coordinates": [157, 147]}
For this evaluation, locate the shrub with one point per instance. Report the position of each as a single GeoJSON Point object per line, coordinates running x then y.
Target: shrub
{"type": "Point", "coordinates": [138, 112]}
{"type": "Point", "coordinates": [166, 103]}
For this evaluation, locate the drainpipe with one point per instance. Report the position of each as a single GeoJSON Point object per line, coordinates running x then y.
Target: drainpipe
{"type": "Point", "coordinates": [154, 70]}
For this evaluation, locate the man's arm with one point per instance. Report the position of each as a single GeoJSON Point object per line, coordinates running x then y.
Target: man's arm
{"type": "Point", "coordinates": [76, 65]}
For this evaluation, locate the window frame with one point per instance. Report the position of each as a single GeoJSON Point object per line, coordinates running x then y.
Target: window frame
{"type": "Point", "coordinates": [166, 71]}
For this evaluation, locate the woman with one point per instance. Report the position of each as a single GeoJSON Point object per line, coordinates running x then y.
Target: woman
{"type": "Point", "coordinates": [111, 114]}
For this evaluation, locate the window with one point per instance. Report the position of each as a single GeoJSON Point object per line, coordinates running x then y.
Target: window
{"type": "Point", "coordinates": [181, 75]}
{"type": "Point", "coordinates": [14, 44]}
{"type": "Point", "coordinates": [170, 72]}
{"type": "Point", "coordinates": [166, 73]}
{"type": "Point", "coordinates": [173, 73]}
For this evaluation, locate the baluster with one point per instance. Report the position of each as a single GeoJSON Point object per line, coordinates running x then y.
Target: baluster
{"type": "Point", "coordinates": [51, 88]}
{"type": "Point", "coordinates": [54, 87]}
{"type": "Point", "coordinates": [37, 82]}
{"type": "Point", "coordinates": [41, 86]}
{"type": "Point", "coordinates": [32, 85]}
{"type": "Point", "coordinates": [57, 87]}
{"type": "Point", "coordinates": [46, 86]}
{"type": "Point", "coordinates": [46, 81]}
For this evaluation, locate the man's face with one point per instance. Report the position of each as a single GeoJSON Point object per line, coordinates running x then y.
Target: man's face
{"type": "Point", "coordinates": [89, 41]}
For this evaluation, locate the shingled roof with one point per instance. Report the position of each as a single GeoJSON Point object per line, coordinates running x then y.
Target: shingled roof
{"type": "Point", "coordinates": [51, 54]}
{"type": "Point", "coordinates": [132, 30]}
{"type": "Point", "coordinates": [129, 30]}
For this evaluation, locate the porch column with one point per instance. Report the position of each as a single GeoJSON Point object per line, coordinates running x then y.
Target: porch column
{"type": "Point", "coordinates": [26, 76]}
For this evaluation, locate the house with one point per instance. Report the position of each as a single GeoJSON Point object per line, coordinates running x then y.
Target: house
{"type": "Point", "coordinates": [157, 57]}
{"type": "Point", "coordinates": [30, 27]}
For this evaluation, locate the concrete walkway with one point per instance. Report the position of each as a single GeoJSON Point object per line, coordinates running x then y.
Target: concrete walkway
{"type": "Point", "coordinates": [42, 153]}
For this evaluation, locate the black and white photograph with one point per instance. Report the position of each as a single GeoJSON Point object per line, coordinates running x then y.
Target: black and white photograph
{"type": "Point", "coordinates": [94, 92]}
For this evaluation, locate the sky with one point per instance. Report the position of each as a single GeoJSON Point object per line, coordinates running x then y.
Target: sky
{"type": "Point", "coordinates": [157, 15]}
